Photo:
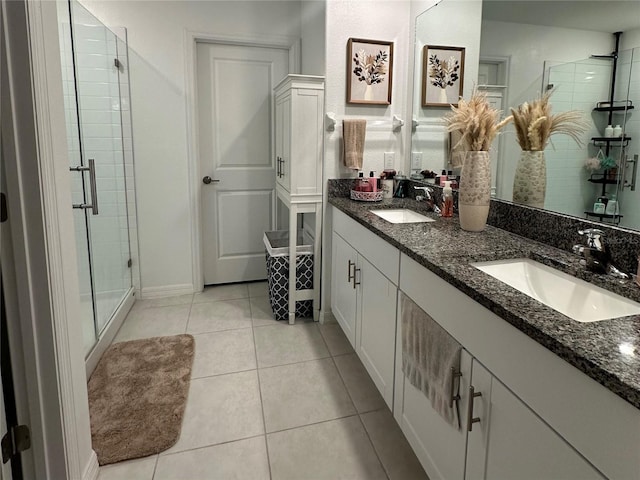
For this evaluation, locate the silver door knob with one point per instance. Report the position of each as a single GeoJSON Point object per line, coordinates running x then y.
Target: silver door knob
{"type": "Point", "coordinates": [207, 180]}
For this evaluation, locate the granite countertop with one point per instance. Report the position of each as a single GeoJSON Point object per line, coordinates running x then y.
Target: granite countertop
{"type": "Point", "coordinates": [447, 250]}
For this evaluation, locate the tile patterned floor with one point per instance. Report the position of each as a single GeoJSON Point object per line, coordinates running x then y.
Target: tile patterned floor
{"type": "Point", "coordinates": [267, 400]}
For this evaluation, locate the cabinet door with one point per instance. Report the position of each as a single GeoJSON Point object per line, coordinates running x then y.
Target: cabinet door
{"type": "Point", "coordinates": [376, 331]}
{"type": "Point", "coordinates": [439, 446]}
{"type": "Point", "coordinates": [343, 291]}
{"type": "Point", "coordinates": [283, 135]}
{"type": "Point", "coordinates": [518, 444]}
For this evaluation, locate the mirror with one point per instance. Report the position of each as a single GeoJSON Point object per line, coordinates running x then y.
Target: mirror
{"type": "Point", "coordinates": [517, 50]}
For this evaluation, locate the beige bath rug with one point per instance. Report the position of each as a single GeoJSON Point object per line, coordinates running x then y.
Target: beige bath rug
{"type": "Point", "coordinates": [137, 396]}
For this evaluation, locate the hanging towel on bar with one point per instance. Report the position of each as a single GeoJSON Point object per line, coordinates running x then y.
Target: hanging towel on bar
{"type": "Point", "coordinates": [353, 132]}
{"type": "Point", "coordinates": [428, 353]}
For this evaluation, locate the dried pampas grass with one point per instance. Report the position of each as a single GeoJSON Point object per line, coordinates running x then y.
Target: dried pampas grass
{"type": "Point", "coordinates": [477, 121]}
{"type": "Point", "coordinates": [535, 123]}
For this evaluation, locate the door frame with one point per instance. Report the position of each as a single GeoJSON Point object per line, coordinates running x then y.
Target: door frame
{"type": "Point", "coordinates": [43, 256]}
{"type": "Point", "coordinates": [293, 45]}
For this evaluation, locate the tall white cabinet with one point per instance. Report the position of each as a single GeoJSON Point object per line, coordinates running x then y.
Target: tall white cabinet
{"type": "Point", "coordinates": [299, 108]}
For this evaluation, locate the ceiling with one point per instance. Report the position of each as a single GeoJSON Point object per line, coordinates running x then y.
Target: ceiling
{"type": "Point", "coordinates": [603, 16]}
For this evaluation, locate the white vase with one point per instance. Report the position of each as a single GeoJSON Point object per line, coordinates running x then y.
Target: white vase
{"type": "Point", "coordinates": [530, 180]}
{"type": "Point", "coordinates": [474, 194]}
{"type": "Point", "coordinates": [443, 96]}
{"type": "Point", "coordinates": [368, 93]}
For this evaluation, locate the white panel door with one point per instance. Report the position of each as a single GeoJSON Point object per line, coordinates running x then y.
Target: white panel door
{"type": "Point", "coordinates": [236, 151]}
{"type": "Point", "coordinates": [376, 330]}
{"type": "Point", "coordinates": [343, 292]}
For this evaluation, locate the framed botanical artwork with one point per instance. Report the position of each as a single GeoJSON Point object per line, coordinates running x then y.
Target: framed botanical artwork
{"type": "Point", "coordinates": [369, 71]}
{"type": "Point", "coordinates": [442, 75]}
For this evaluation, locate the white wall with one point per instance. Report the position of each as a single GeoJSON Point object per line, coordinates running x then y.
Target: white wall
{"type": "Point", "coordinates": [157, 57]}
{"type": "Point", "coordinates": [312, 31]}
{"type": "Point", "coordinates": [528, 47]}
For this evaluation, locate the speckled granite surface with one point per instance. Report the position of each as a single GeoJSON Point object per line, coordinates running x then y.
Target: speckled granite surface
{"type": "Point", "coordinates": [445, 249]}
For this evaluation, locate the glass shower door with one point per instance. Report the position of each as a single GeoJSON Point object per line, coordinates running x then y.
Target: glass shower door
{"type": "Point", "coordinates": [97, 72]}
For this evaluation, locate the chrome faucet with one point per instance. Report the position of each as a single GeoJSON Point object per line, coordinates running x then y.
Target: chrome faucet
{"type": "Point", "coordinates": [596, 253]}
{"type": "Point", "coordinates": [428, 198]}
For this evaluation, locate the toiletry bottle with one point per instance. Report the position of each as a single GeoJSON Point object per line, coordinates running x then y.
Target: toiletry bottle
{"type": "Point", "coordinates": [447, 200]}
{"type": "Point", "coordinates": [608, 132]}
{"type": "Point", "coordinates": [617, 131]}
{"type": "Point", "coordinates": [373, 181]}
{"type": "Point", "coordinates": [599, 207]}
{"type": "Point", "coordinates": [358, 187]}
{"type": "Point", "coordinates": [612, 206]}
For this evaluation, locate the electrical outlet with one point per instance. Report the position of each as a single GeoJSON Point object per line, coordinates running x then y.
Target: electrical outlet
{"type": "Point", "coordinates": [389, 160]}
{"type": "Point", "coordinates": [416, 160]}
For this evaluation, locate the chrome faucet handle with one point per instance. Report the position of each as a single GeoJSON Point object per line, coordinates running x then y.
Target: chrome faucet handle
{"type": "Point", "coordinates": [427, 191]}
{"type": "Point", "coordinates": [595, 238]}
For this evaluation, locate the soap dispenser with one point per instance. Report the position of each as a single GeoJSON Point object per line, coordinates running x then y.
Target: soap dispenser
{"type": "Point", "coordinates": [447, 200]}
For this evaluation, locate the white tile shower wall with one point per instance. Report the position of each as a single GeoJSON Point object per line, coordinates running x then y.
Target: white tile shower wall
{"type": "Point", "coordinates": [579, 86]}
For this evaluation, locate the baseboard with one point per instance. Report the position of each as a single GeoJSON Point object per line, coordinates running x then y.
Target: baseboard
{"type": "Point", "coordinates": [92, 470]}
{"type": "Point", "coordinates": [166, 291]}
{"type": "Point", "coordinates": [326, 316]}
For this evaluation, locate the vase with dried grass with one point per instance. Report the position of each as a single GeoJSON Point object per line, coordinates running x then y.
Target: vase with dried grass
{"type": "Point", "coordinates": [534, 124]}
{"type": "Point", "coordinates": [478, 124]}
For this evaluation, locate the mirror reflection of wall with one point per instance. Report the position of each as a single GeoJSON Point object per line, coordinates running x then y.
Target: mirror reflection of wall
{"type": "Point", "coordinates": [526, 46]}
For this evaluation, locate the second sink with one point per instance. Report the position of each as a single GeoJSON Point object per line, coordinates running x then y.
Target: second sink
{"type": "Point", "coordinates": [568, 295]}
{"type": "Point", "coordinates": [401, 215]}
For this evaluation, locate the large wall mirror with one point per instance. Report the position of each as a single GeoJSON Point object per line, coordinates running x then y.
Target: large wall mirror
{"type": "Point", "coordinates": [517, 50]}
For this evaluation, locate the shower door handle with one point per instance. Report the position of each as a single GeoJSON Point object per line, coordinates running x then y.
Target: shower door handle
{"type": "Point", "coordinates": [92, 185]}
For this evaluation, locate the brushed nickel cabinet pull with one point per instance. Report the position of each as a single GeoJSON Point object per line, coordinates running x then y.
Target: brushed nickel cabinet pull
{"type": "Point", "coordinates": [453, 397]}
{"type": "Point", "coordinates": [470, 418]}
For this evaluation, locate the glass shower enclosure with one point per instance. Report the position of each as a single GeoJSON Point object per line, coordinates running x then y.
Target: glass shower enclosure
{"type": "Point", "coordinates": [96, 93]}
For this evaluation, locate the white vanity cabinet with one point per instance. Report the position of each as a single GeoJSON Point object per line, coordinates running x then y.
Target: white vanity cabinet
{"type": "Point", "coordinates": [539, 417]}
{"type": "Point", "coordinates": [363, 297]}
{"type": "Point", "coordinates": [506, 441]}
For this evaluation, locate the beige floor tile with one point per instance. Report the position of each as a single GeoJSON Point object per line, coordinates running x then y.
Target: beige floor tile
{"type": "Point", "coordinates": [221, 409]}
{"type": "Point", "coordinates": [335, 338]}
{"type": "Point", "coordinates": [219, 316]}
{"type": "Point", "coordinates": [282, 344]}
{"type": "Point", "coordinates": [258, 289]}
{"type": "Point", "coordinates": [241, 460]}
{"type": "Point", "coordinates": [222, 292]}
{"type": "Point", "coordinates": [223, 352]}
{"type": "Point", "coordinates": [363, 391]}
{"type": "Point", "coordinates": [164, 301]}
{"type": "Point", "coordinates": [154, 322]}
{"type": "Point", "coordinates": [392, 447]}
{"type": "Point", "coordinates": [303, 393]}
{"type": "Point", "coordinates": [329, 450]}
{"type": "Point", "coordinates": [140, 469]}
{"type": "Point", "coordinates": [261, 313]}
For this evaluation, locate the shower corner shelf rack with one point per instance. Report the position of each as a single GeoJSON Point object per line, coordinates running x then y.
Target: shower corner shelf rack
{"type": "Point", "coordinates": [299, 108]}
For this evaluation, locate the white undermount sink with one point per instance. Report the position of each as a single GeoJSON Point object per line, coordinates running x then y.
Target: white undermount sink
{"type": "Point", "coordinates": [401, 215]}
{"type": "Point", "coordinates": [568, 295]}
